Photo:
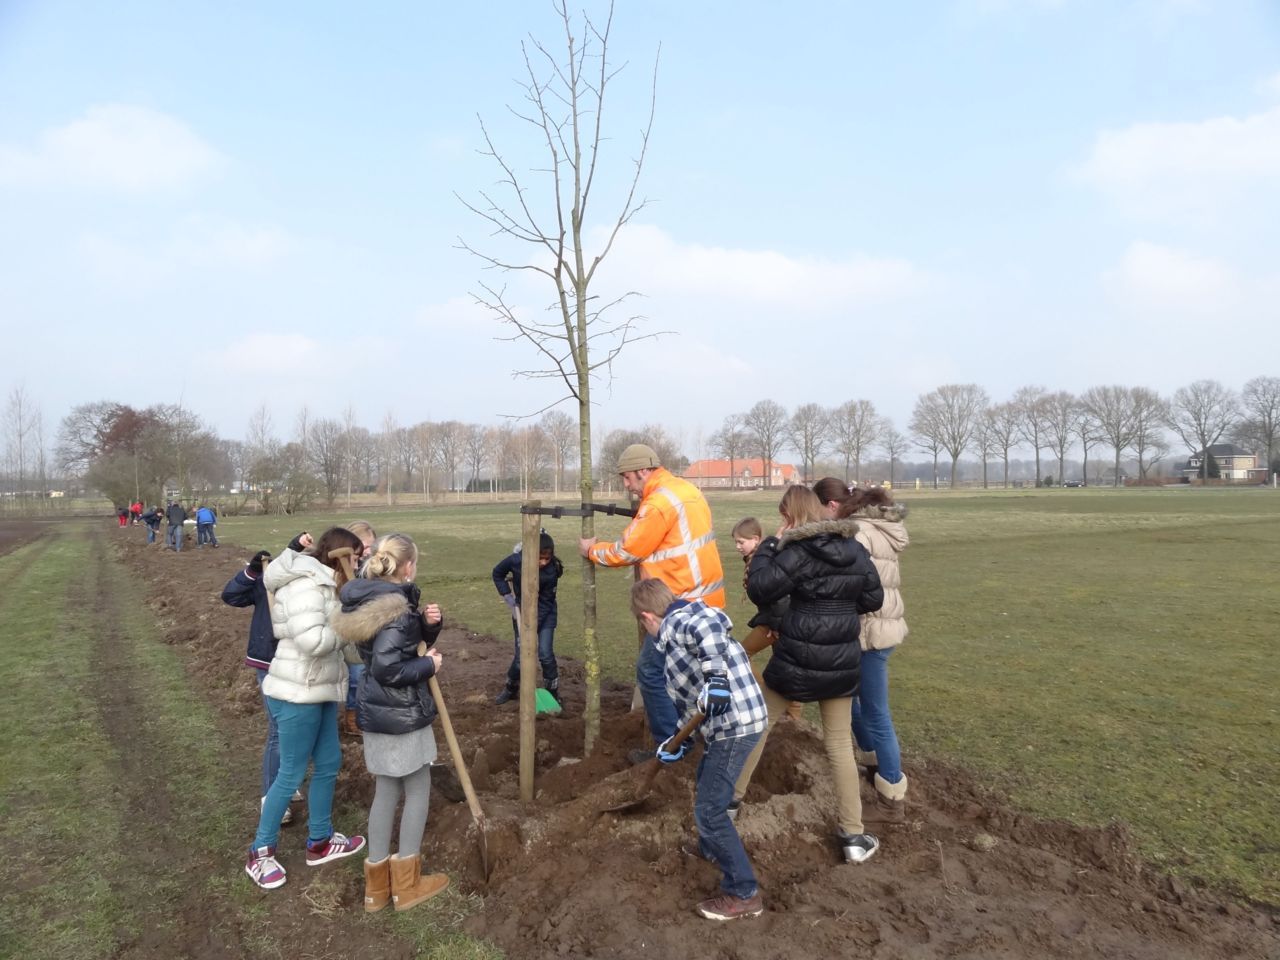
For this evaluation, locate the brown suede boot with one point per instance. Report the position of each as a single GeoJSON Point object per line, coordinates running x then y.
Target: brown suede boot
{"type": "Point", "coordinates": [409, 887]}
{"type": "Point", "coordinates": [377, 884]}
{"type": "Point", "coordinates": [891, 801]}
{"type": "Point", "coordinates": [347, 723]}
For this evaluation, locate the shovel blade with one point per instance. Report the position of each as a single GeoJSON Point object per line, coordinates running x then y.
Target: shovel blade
{"type": "Point", "coordinates": [645, 776]}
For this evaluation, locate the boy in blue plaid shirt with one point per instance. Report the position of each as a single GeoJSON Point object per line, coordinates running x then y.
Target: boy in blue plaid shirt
{"type": "Point", "coordinates": [707, 671]}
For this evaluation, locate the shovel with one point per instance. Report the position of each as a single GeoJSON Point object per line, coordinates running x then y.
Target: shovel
{"type": "Point", "coordinates": [346, 557]}
{"type": "Point", "coordinates": [649, 769]}
{"type": "Point", "coordinates": [461, 768]}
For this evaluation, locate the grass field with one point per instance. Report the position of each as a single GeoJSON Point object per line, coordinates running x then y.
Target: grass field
{"type": "Point", "coordinates": [1098, 654]}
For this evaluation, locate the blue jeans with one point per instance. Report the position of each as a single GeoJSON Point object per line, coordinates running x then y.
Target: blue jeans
{"type": "Point", "coordinates": [872, 725]}
{"type": "Point", "coordinates": [658, 707]}
{"type": "Point", "coordinates": [546, 657]}
{"type": "Point", "coordinates": [718, 839]}
{"type": "Point", "coordinates": [151, 534]}
{"type": "Point", "coordinates": [175, 536]}
{"type": "Point", "coordinates": [354, 672]}
{"type": "Point", "coordinates": [308, 733]}
{"type": "Point", "coordinates": [271, 751]}
{"type": "Point", "coordinates": [204, 534]}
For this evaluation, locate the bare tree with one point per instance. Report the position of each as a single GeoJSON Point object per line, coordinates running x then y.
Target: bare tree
{"type": "Point", "coordinates": [1003, 421]}
{"type": "Point", "coordinates": [20, 425]}
{"type": "Point", "coordinates": [565, 99]}
{"type": "Point", "coordinates": [1089, 432]}
{"type": "Point", "coordinates": [1058, 418]}
{"type": "Point", "coordinates": [1030, 404]}
{"type": "Point", "coordinates": [1111, 409]}
{"type": "Point", "coordinates": [426, 437]}
{"type": "Point", "coordinates": [1150, 414]}
{"type": "Point", "coordinates": [949, 417]}
{"type": "Point", "coordinates": [476, 445]}
{"type": "Point", "coordinates": [855, 427]}
{"type": "Point", "coordinates": [326, 452]}
{"type": "Point", "coordinates": [349, 446]}
{"type": "Point", "coordinates": [766, 425]}
{"type": "Point", "coordinates": [1260, 426]}
{"type": "Point", "coordinates": [453, 444]}
{"type": "Point", "coordinates": [560, 432]}
{"type": "Point", "coordinates": [808, 430]}
{"type": "Point", "coordinates": [986, 442]}
{"type": "Point", "coordinates": [894, 444]}
{"type": "Point", "coordinates": [926, 428]}
{"type": "Point", "coordinates": [730, 442]}
{"type": "Point", "coordinates": [386, 447]}
{"type": "Point", "coordinates": [1200, 414]}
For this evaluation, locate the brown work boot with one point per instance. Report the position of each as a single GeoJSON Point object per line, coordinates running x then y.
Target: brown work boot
{"type": "Point", "coordinates": [409, 887]}
{"type": "Point", "coordinates": [728, 907]}
{"type": "Point", "coordinates": [377, 884]}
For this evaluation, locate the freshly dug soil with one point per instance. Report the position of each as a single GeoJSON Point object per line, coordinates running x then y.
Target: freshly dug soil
{"type": "Point", "coordinates": [965, 877]}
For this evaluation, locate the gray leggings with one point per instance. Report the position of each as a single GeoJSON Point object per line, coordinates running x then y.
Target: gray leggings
{"type": "Point", "coordinates": [413, 821]}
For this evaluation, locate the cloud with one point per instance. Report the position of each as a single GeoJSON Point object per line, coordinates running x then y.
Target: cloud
{"type": "Point", "coordinates": [196, 243]}
{"type": "Point", "coordinates": [1160, 279]}
{"type": "Point", "coordinates": [270, 354]}
{"type": "Point", "coordinates": [1270, 86]}
{"type": "Point", "coordinates": [1160, 169]}
{"type": "Point", "coordinates": [657, 264]}
{"type": "Point", "coordinates": [118, 147]}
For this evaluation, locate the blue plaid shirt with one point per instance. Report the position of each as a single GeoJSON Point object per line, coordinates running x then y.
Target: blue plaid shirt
{"type": "Point", "coordinates": [694, 641]}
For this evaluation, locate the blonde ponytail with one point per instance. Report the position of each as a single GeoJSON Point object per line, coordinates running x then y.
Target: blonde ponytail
{"type": "Point", "coordinates": [391, 553]}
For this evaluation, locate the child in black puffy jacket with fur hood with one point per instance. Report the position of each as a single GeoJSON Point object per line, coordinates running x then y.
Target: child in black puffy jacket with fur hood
{"type": "Point", "coordinates": [380, 614]}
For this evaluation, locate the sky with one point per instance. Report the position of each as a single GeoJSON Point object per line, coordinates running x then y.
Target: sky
{"type": "Point", "coordinates": [237, 204]}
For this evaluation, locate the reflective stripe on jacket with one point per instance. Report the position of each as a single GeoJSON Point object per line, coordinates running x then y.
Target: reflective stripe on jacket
{"type": "Point", "coordinates": [671, 538]}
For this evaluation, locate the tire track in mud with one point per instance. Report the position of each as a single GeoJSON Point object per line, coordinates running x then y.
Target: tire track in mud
{"type": "Point", "coordinates": [161, 864]}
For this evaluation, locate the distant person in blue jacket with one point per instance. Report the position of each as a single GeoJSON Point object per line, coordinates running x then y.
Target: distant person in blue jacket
{"type": "Point", "coordinates": [206, 520]}
{"type": "Point", "coordinates": [506, 577]}
{"type": "Point", "coordinates": [246, 589]}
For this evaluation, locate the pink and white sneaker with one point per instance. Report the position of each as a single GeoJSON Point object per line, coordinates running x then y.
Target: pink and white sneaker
{"type": "Point", "coordinates": [335, 848]}
{"type": "Point", "coordinates": [264, 869]}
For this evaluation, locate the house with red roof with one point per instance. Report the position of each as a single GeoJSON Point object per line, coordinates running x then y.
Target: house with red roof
{"type": "Point", "coordinates": [745, 473]}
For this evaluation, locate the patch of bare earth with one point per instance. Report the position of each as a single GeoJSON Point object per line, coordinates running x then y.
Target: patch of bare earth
{"type": "Point", "coordinates": [966, 877]}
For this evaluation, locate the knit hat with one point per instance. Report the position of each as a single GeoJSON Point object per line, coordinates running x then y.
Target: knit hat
{"type": "Point", "coordinates": [638, 457]}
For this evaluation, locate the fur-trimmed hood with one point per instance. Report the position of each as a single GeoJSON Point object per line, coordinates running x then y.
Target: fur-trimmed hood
{"type": "Point", "coordinates": [890, 512]}
{"type": "Point", "coordinates": [367, 607]}
{"type": "Point", "coordinates": [847, 527]}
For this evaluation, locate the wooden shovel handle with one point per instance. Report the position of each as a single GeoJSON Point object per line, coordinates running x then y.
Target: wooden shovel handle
{"type": "Point", "coordinates": [455, 751]}
{"type": "Point", "coordinates": [685, 732]}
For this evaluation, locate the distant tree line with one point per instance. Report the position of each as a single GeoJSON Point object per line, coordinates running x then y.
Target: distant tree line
{"type": "Point", "coordinates": [166, 450]}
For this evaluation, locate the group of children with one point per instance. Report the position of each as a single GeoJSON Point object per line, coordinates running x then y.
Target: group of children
{"type": "Point", "coordinates": [814, 584]}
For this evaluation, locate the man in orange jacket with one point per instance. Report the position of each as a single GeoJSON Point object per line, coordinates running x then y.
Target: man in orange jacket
{"type": "Point", "coordinates": [671, 538]}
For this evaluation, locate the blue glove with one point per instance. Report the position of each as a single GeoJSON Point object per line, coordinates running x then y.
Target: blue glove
{"type": "Point", "coordinates": [715, 698]}
{"type": "Point", "coordinates": [671, 756]}
{"type": "Point", "coordinates": [510, 600]}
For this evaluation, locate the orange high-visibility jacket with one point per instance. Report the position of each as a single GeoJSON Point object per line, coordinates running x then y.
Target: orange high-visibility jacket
{"type": "Point", "coordinates": [671, 539]}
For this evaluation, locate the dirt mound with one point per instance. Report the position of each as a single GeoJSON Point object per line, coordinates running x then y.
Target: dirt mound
{"type": "Point", "coordinates": [966, 876]}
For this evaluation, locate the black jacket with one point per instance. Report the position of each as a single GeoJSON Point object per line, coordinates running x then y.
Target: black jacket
{"type": "Point", "coordinates": [243, 590]}
{"type": "Point", "coordinates": [548, 577]}
{"type": "Point", "coordinates": [831, 582]}
{"type": "Point", "coordinates": [176, 515]}
{"type": "Point", "coordinates": [381, 618]}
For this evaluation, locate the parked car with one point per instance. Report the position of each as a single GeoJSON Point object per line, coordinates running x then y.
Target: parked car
{"type": "Point", "coordinates": [1075, 483]}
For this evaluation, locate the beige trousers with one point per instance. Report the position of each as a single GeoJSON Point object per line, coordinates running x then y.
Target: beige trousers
{"type": "Point", "coordinates": [837, 740]}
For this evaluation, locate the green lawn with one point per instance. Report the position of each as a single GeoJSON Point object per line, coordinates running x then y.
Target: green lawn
{"type": "Point", "coordinates": [1098, 653]}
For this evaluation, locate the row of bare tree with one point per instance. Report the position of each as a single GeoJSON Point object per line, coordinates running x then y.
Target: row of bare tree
{"type": "Point", "coordinates": [959, 419]}
{"type": "Point", "coordinates": [126, 453]}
